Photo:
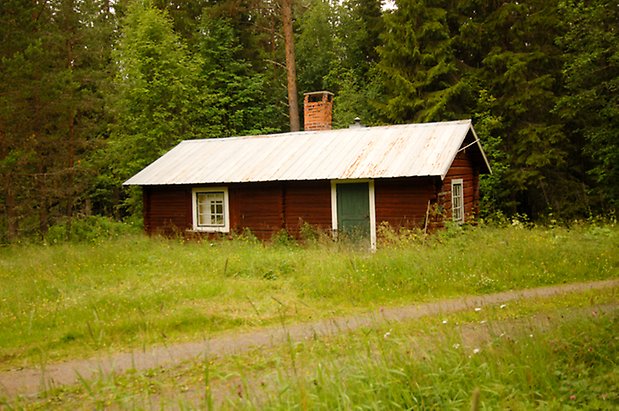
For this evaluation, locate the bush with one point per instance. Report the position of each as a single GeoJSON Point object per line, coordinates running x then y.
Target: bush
{"type": "Point", "coordinates": [89, 229]}
{"type": "Point", "coordinates": [387, 236]}
{"type": "Point", "coordinates": [245, 236]}
{"type": "Point", "coordinates": [282, 238]}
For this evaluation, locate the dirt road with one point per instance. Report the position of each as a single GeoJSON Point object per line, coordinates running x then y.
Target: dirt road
{"type": "Point", "coordinates": [33, 380]}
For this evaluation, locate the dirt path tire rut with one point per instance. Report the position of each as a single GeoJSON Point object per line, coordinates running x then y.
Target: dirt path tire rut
{"type": "Point", "coordinates": [33, 380]}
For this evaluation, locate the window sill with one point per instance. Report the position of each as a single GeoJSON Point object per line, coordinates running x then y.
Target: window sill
{"type": "Point", "coordinates": [221, 230]}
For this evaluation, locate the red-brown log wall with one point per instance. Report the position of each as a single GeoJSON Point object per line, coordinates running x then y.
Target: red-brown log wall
{"type": "Point", "coordinates": [256, 206]}
{"type": "Point", "coordinates": [463, 168]}
{"type": "Point", "coordinates": [403, 202]}
{"type": "Point", "coordinates": [167, 209]}
{"type": "Point", "coordinates": [264, 208]}
{"type": "Point", "coordinates": [308, 202]}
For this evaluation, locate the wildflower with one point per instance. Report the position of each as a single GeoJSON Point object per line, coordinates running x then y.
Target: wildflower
{"type": "Point", "coordinates": [477, 309]}
{"type": "Point", "coordinates": [387, 334]}
{"type": "Point", "coordinates": [444, 321]}
{"type": "Point", "coordinates": [503, 305]}
{"type": "Point", "coordinates": [476, 351]}
{"type": "Point", "coordinates": [456, 346]}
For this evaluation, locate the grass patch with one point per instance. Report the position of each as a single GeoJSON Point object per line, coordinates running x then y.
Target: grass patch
{"type": "Point", "coordinates": [71, 300]}
{"type": "Point", "coordinates": [556, 353]}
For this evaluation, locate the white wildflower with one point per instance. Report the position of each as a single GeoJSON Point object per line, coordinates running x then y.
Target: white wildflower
{"type": "Point", "coordinates": [477, 309]}
{"type": "Point", "coordinates": [476, 351]}
{"type": "Point", "coordinates": [444, 321]}
{"type": "Point", "coordinates": [503, 305]}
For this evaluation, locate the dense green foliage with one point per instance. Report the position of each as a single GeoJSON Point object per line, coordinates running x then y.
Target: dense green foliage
{"type": "Point", "coordinates": [590, 104]}
{"type": "Point", "coordinates": [93, 90]}
{"type": "Point", "coordinates": [114, 291]}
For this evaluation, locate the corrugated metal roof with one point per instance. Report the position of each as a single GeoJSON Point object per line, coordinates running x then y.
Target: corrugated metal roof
{"type": "Point", "coordinates": [406, 150]}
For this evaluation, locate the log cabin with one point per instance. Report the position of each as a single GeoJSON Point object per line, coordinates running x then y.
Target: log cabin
{"type": "Point", "coordinates": [344, 181]}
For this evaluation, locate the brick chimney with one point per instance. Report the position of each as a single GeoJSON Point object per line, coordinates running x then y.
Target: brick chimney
{"type": "Point", "coordinates": [318, 110]}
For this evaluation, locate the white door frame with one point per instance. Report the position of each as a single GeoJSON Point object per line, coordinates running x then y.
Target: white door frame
{"type": "Point", "coordinates": [371, 194]}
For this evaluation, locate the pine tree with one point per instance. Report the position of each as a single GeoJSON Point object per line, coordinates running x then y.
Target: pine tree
{"type": "Point", "coordinates": [49, 104]}
{"type": "Point", "coordinates": [291, 65]}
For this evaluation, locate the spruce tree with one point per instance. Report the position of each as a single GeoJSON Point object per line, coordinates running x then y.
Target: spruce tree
{"type": "Point", "coordinates": [235, 94]}
{"type": "Point", "coordinates": [156, 101]}
{"type": "Point", "coordinates": [591, 104]}
{"type": "Point", "coordinates": [521, 70]}
{"type": "Point", "coordinates": [423, 81]}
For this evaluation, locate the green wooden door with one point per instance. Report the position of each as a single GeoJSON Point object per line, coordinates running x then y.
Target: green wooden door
{"type": "Point", "coordinates": [353, 210]}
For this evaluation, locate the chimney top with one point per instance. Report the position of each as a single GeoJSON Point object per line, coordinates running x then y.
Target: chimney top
{"type": "Point", "coordinates": [318, 110]}
{"type": "Point", "coordinates": [318, 93]}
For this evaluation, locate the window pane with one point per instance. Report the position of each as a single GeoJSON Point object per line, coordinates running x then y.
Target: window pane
{"type": "Point", "coordinates": [457, 202]}
{"type": "Point", "coordinates": [210, 209]}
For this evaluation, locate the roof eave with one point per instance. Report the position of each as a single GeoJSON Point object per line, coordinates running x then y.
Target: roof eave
{"type": "Point", "coordinates": [477, 143]}
{"type": "Point", "coordinates": [481, 150]}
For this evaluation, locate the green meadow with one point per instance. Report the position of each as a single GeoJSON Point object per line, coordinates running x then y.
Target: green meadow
{"type": "Point", "coordinates": [552, 353]}
{"type": "Point", "coordinates": [72, 300]}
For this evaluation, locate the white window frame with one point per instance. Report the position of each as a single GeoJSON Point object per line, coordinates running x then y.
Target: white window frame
{"type": "Point", "coordinates": [219, 228]}
{"type": "Point", "coordinates": [372, 198]}
{"type": "Point", "coordinates": [457, 209]}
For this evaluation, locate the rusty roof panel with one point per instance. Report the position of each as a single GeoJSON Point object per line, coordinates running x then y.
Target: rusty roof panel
{"type": "Point", "coordinates": [406, 150]}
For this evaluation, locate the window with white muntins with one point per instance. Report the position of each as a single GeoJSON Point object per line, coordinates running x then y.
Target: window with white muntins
{"type": "Point", "coordinates": [457, 200]}
{"type": "Point", "coordinates": [210, 210]}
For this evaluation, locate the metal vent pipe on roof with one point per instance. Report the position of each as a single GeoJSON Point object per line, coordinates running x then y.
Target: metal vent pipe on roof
{"type": "Point", "coordinates": [356, 124]}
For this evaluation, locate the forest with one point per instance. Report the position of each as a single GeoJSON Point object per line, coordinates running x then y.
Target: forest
{"type": "Point", "coordinates": [91, 91]}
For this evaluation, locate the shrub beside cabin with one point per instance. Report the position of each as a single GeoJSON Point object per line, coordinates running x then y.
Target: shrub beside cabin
{"type": "Point", "coordinates": [348, 180]}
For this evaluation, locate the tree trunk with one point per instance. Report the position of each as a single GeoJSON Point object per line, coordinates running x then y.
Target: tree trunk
{"type": "Point", "coordinates": [70, 192]}
{"type": "Point", "coordinates": [293, 105]}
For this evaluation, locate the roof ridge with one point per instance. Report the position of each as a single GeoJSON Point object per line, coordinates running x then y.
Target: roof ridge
{"type": "Point", "coordinates": [335, 130]}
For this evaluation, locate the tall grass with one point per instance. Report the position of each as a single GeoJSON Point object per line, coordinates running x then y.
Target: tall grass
{"type": "Point", "coordinates": [555, 353]}
{"type": "Point", "coordinates": [70, 300]}
{"type": "Point", "coordinates": [572, 366]}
